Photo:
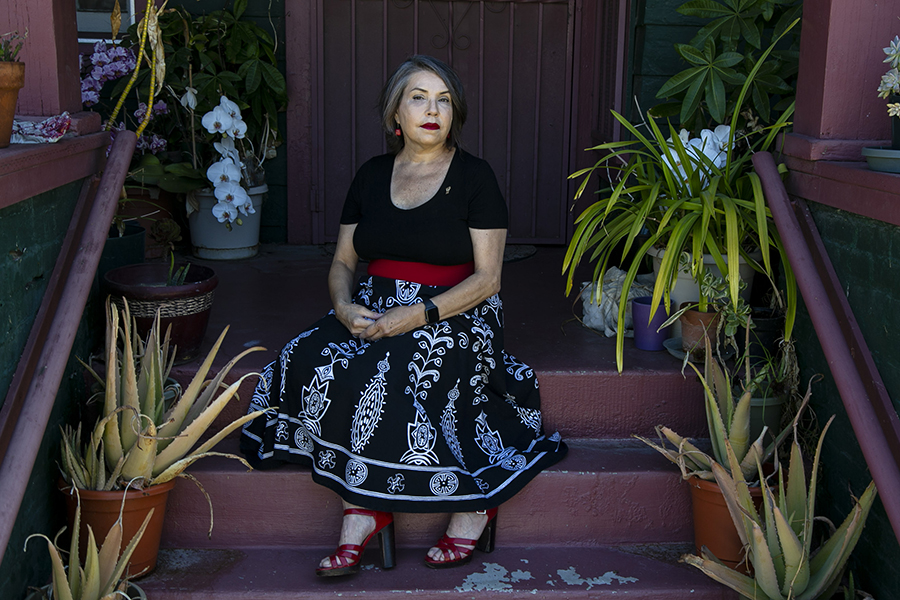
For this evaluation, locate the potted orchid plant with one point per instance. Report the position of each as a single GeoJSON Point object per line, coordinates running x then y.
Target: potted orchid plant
{"type": "Point", "coordinates": [217, 76]}
{"type": "Point", "coordinates": [880, 158]}
{"type": "Point", "coordinates": [238, 189]}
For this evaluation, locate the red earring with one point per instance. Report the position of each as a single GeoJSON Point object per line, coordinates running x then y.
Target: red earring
{"type": "Point", "coordinates": [397, 132]}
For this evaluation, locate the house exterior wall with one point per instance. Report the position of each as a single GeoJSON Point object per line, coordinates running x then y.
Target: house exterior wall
{"type": "Point", "coordinates": [657, 27]}
{"type": "Point", "coordinates": [32, 233]}
{"type": "Point", "coordinates": [862, 251]}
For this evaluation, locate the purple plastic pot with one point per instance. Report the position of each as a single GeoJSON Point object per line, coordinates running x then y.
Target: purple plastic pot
{"type": "Point", "coordinates": [646, 337]}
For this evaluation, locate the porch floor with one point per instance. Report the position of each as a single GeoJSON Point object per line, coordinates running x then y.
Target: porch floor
{"type": "Point", "coordinates": [268, 299]}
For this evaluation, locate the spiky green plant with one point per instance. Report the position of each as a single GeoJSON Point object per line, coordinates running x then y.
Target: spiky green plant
{"type": "Point", "coordinates": [728, 420]}
{"type": "Point", "coordinates": [139, 439]}
{"type": "Point", "coordinates": [101, 576]}
{"type": "Point", "coordinates": [780, 538]}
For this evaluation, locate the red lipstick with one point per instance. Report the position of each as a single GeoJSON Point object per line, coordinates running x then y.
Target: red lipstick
{"type": "Point", "coordinates": [431, 126]}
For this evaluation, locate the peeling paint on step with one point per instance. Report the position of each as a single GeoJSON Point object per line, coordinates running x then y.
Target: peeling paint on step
{"type": "Point", "coordinates": [571, 577]}
{"type": "Point", "coordinates": [494, 579]}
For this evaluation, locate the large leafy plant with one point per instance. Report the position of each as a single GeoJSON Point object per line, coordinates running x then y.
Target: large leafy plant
{"type": "Point", "coordinates": [780, 538]}
{"type": "Point", "coordinates": [681, 196]}
{"type": "Point", "coordinates": [193, 62]}
{"type": "Point", "coordinates": [721, 56]}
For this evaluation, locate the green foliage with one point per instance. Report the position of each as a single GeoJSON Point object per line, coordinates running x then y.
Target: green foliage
{"type": "Point", "coordinates": [678, 197]}
{"type": "Point", "coordinates": [176, 276]}
{"type": "Point", "coordinates": [215, 54]}
{"type": "Point", "coordinates": [10, 45]}
{"type": "Point", "coordinates": [721, 56]}
{"type": "Point", "coordinates": [728, 422]}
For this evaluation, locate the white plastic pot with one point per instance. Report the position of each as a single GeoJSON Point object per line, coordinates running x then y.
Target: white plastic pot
{"type": "Point", "coordinates": [688, 290]}
{"type": "Point", "coordinates": [212, 240]}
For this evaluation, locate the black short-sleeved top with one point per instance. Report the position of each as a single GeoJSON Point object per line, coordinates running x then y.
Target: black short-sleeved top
{"type": "Point", "coordinates": [436, 232]}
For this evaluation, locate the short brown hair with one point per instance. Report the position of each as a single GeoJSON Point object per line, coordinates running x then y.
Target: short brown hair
{"type": "Point", "coordinates": [389, 101]}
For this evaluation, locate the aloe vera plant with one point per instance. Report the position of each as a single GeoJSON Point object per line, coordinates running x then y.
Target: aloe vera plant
{"type": "Point", "coordinates": [780, 538]}
{"type": "Point", "coordinates": [139, 440]}
{"type": "Point", "coordinates": [728, 419]}
{"type": "Point", "coordinates": [101, 576]}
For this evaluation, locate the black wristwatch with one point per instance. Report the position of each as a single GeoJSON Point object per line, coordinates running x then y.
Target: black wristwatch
{"type": "Point", "coordinates": [432, 314]}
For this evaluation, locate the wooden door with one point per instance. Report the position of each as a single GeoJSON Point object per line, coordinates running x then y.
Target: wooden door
{"type": "Point", "coordinates": [540, 75]}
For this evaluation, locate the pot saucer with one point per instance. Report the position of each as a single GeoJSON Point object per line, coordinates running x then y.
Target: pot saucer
{"type": "Point", "coordinates": [673, 345]}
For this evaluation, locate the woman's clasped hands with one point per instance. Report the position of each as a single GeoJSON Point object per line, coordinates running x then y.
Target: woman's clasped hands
{"type": "Point", "coordinates": [369, 326]}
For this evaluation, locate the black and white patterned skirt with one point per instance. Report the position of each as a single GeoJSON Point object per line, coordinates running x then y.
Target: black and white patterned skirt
{"type": "Point", "coordinates": [440, 419]}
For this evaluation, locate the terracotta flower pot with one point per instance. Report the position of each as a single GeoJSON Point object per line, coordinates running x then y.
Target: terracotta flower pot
{"type": "Point", "coordinates": [100, 510]}
{"type": "Point", "coordinates": [694, 325]}
{"type": "Point", "coordinates": [713, 526]}
{"type": "Point", "coordinates": [12, 79]}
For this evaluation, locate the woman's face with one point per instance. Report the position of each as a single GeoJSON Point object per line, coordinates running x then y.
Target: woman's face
{"type": "Point", "coordinates": [425, 111]}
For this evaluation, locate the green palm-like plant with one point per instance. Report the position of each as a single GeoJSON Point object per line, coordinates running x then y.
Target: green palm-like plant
{"type": "Point", "coordinates": [780, 538]}
{"type": "Point", "coordinates": [683, 202]}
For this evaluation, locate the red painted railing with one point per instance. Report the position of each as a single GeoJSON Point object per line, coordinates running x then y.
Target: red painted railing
{"type": "Point", "coordinates": [32, 393]}
{"type": "Point", "coordinates": [862, 390]}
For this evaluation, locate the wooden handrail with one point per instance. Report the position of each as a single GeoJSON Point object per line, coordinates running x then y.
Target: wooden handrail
{"type": "Point", "coordinates": [871, 412]}
{"type": "Point", "coordinates": [32, 393]}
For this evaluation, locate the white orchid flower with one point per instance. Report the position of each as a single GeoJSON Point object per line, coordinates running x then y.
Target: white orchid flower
{"type": "Point", "coordinates": [246, 207]}
{"type": "Point", "coordinates": [238, 129]}
{"type": "Point", "coordinates": [189, 100]}
{"type": "Point", "coordinates": [223, 171]}
{"type": "Point", "coordinates": [677, 168]}
{"type": "Point", "coordinates": [230, 107]}
{"type": "Point", "coordinates": [227, 149]}
{"type": "Point", "coordinates": [224, 212]}
{"type": "Point", "coordinates": [232, 192]}
{"type": "Point", "coordinates": [217, 120]}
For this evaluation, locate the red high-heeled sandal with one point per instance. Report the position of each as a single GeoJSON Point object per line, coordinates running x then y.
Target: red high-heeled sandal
{"type": "Point", "coordinates": [452, 555]}
{"type": "Point", "coordinates": [347, 557]}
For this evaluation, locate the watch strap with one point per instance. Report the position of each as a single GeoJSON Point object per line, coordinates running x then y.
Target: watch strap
{"type": "Point", "coordinates": [432, 314]}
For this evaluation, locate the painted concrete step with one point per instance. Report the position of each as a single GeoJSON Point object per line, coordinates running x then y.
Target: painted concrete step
{"type": "Point", "coordinates": [639, 572]}
{"type": "Point", "coordinates": [604, 492]}
{"type": "Point", "coordinates": [578, 404]}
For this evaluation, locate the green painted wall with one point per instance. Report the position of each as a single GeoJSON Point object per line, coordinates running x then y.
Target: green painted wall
{"type": "Point", "coordinates": [657, 27]}
{"type": "Point", "coordinates": [31, 234]}
{"type": "Point", "coordinates": [863, 252]}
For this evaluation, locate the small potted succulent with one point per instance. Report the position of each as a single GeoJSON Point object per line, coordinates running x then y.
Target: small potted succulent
{"type": "Point", "coordinates": [881, 158]}
{"type": "Point", "coordinates": [103, 574]}
{"type": "Point", "coordinates": [12, 79]}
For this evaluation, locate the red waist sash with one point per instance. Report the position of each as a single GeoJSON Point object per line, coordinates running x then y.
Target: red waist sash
{"type": "Point", "coordinates": [423, 273]}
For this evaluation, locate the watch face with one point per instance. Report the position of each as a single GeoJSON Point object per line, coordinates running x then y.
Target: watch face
{"type": "Point", "coordinates": [431, 312]}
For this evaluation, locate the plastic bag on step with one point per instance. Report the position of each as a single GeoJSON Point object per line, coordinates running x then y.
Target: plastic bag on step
{"type": "Point", "coordinates": [604, 316]}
